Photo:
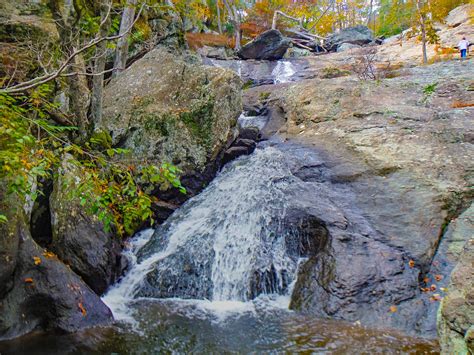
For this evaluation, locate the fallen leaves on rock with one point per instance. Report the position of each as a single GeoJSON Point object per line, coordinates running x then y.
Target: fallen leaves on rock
{"type": "Point", "coordinates": [393, 309]}
{"type": "Point", "coordinates": [83, 310]}
{"type": "Point", "coordinates": [29, 280]}
{"type": "Point", "coordinates": [37, 260]}
{"type": "Point", "coordinates": [411, 263]}
{"type": "Point", "coordinates": [48, 254]}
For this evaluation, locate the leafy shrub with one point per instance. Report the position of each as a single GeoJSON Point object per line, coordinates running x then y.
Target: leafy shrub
{"type": "Point", "coordinates": [32, 148]}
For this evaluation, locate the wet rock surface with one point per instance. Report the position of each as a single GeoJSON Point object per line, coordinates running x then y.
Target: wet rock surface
{"type": "Point", "coordinates": [37, 291]}
{"type": "Point", "coordinates": [270, 45]}
{"type": "Point", "coordinates": [402, 153]}
{"type": "Point", "coordinates": [79, 238]}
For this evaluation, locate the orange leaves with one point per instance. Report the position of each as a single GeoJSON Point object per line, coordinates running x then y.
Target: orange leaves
{"type": "Point", "coordinates": [49, 255]}
{"type": "Point", "coordinates": [82, 309]}
{"type": "Point", "coordinates": [36, 260]}
{"type": "Point", "coordinates": [198, 40]}
{"type": "Point", "coordinates": [28, 280]}
{"type": "Point", "coordinates": [435, 297]}
{"type": "Point", "coordinates": [461, 104]}
{"type": "Point", "coordinates": [411, 263]}
{"type": "Point", "coordinates": [393, 309]}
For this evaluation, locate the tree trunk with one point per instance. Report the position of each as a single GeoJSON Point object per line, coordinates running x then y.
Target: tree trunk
{"type": "Point", "coordinates": [238, 38]}
{"type": "Point", "coordinates": [235, 20]}
{"type": "Point", "coordinates": [79, 96]}
{"type": "Point", "coordinates": [419, 7]}
{"type": "Point", "coordinates": [99, 66]}
{"type": "Point", "coordinates": [78, 90]}
{"type": "Point", "coordinates": [423, 40]}
{"type": "Point", "coordinates": [219, 23]}
{"type": "Point", "coordinates": [121, 52]}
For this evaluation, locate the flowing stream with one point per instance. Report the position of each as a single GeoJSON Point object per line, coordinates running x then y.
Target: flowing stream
{"type": "Point", "coordinates": [217, 276]}
{"type": "Point", "coordinates": [221, 245]}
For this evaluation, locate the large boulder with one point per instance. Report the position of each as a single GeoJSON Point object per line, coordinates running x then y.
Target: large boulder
{"type": "Point", "coordinates": [37, 291]}
{"type": "Point", "coordinates": [359, 35]}
{"type": "Point", "coordinates": [270, 45]}
{"type": "Point", "coordinates": [460, 15]}
{"type": "Point", "coordinates": [167, 108]}
{"type": "Point", "coordinates": [79, 238]}
{"type": "Point", "coordinates": [456, 313]}
{"type": "Point", "coordinates": [347, 46]}
{"type": "Point", "coordinates": [22, 25]}
{"type": "Point", "coordinates": [404, 152]}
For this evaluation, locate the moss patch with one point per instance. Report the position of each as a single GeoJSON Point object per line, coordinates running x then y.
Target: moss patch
{"type": "Point", "coordinates": [199, 120]}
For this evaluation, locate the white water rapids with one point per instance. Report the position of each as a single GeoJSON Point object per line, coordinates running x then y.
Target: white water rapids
{"type": "Point", "coordinates": [230, 225]}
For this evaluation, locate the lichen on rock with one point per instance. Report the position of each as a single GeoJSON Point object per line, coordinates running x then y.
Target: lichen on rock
{"type": "Point", "coordinates": [167, 108]}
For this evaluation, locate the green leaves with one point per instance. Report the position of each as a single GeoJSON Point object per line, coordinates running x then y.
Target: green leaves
{"type": "Point", "coordinates": [32, 149]}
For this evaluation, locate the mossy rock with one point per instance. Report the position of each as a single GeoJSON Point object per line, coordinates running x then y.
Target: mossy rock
{"type": "Point", "coordinates": [169, 108]}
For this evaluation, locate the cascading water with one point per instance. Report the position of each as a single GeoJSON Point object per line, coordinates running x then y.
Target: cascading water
{"type": "Point", "coordinates": [283, 72]}
{"type": "Point", "coordinates": [262, 72]}
{"type": "Point", "coordinates": [226, 244]}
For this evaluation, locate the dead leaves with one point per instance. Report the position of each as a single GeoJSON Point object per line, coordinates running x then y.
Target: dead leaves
{"type": "Point", "coordinates": [28, 280]}
{"type": "Point", "coordinates": [393, 309]}
{"type": "Point", "coordinates": [82, 309]}
{"type": "Point", "coordinates": [411, 263]}
{"type": "Point", "coordinates": [49, 255]}
{"type": "Point", "coordinates": [36, 260]}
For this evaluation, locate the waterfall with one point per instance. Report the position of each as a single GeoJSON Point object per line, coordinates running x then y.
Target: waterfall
{"type": "Point", "coordinates": [226, 244]}
{"type": "Point", "coordinates": [283, 72]}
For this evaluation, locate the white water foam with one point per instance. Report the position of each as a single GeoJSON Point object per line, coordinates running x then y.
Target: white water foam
{"type": "Point", "coordinates": [283, 72]}
{"type": "Point", "coordinates": [233, 214]}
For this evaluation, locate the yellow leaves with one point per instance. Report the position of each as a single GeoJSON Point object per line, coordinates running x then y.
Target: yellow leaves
{"type": "Point", "coordinates": [37, 260]}
{"type": "Point", "coordinates": [49, 255]}
{"type": "Point", "coordinates": [393, 309]}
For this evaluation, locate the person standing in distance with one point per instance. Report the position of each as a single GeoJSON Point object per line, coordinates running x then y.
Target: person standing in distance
{"type": "Point", "coordinates": [463, 46]}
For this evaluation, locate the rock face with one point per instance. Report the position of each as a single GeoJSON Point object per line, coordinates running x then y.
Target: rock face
{"type": "Point", "coordinates": [170, 109]}
{"type": "Point", "coordinates": [270, 45]}
{"type": "Point", "coordinates": [402, 148]}
{"type": "Point", "coordinates": [23, 22]}
{"type": "Point", "coordinates": [458, 25]}
{"type": "Point", "coordinates": [222, 53]}
{"type": "Point", "coordinates": [358, 35]}
{"type": "Point", "coordinates": [79, 239]}
{"type": "Point", "coordinates": [37, 291]}
{"type": "Point", "coordinates": [456, 312]}
{"type": "Point", "coordinates": [346, 46]}
{"type": "Point", "coordinates": [460, 15]}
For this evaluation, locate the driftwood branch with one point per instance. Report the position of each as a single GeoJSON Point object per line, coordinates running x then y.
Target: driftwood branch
{"type": "Point", "coordinates": [331, 4]}
{"type": "Point", "coordinates": [275, 19]}
{"type": "Point", "coordinates": [300, 45]}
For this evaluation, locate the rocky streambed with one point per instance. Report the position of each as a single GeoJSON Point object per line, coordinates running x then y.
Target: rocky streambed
{"type": "Point", "coordinates": [354, 207]}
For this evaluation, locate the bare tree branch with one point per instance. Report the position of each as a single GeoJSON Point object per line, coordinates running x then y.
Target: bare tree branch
{"type": "Point", "coordinates": [48, 77]}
